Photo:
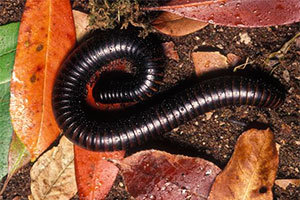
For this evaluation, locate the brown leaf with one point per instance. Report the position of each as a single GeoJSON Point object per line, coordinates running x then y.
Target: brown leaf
{"type": "Point", "coordinates": [233, 59]}
{"type": "Point", "coordinates": [81, 21]}
{"type": "Point", "coordinates": [169, 51]}
{"type": "Point", "coordinates": [208, 61]}
{"type": "Point", "coordinates": [94, 174]}
{"type": "Point", "coordinates": [159, 175]}
{"type": "Point", "coordinates": [175, 25]}
{"type": "Point", "coordinates": [46, 35]}
{"type": "Point", "coordinates": [53, 175]}
{"type": "Point", "coordinates": [244, 13]}
{"type": "Point", "coordinates": [251, 171]}
{"type": "Point", "coordinates": [284, 183]}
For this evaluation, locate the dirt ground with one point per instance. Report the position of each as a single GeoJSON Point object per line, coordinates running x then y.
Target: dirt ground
{"type": "Point", "coordinates": [212, 136]}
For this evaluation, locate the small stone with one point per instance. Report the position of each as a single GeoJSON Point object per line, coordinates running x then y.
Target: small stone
{"type": "Point", "coordinates": [208, 115]}
{"type": "Point", "coordinates": [219, 46]}
{"type": "Point", "coordinates": [286, 75]}
{"type": "Point", "coordinates": [175, 129]}
{"type": "Point", "coordinates": [245, 38]}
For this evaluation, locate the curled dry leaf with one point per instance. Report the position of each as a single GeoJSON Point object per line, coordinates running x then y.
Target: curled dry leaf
{"type": "Point", "coordinates": [169, 51]}
{"type": "Point", "coordinates": [52, 176]}
{"type": "Point", "coordinates": [175, 25]}
{"type": "Point", "coordinates": [208, 61]}
{"type": "Point", "coordinates": [46, 35]}
{"type": "Point", "coordinates": [233, 59]}
{"type": "Point", "coordinates": [244, 13]}
{"type": "Point", "coordinates": [251, 171]}
{"type": "Point", "coordinates": [94, 174]}
{"type": "Point", "coordinates": [81, 21]}
{"type": "Point", "coordinates": [284, 183]}
{"type": "Point", "coordinates": [159, 175]}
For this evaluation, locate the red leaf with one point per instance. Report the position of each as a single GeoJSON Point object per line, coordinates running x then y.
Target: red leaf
{"type": "Point", "coordinates": [160, 175]}
{"type": "Point", "coordinates": [94, 174]}
{"type": "Point", "coordinates": [244, 13]}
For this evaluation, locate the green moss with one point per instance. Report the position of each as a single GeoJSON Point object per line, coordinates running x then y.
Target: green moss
{"type": "Point", "coordinates": [109, 14]}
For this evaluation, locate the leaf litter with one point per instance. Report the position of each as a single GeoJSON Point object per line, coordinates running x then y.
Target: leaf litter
{"type": "Point", "coordinates": [213, 116]}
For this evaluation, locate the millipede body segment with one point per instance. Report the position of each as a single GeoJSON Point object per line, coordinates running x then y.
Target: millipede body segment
{"type": "Point", "coordinates": [71, 111]}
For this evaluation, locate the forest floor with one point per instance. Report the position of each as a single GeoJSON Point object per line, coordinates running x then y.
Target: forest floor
{"type": "Point", "coordinates": [213, 136]}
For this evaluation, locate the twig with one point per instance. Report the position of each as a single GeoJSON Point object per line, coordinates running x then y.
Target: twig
{"type": "Point", "coordinates": [243, 66]}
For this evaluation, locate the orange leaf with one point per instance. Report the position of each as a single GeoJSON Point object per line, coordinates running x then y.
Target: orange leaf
{"type": "Point", "coordinates": [46, 35]}
{"type": "Point", "coordinates": [95, 175]}
{"type": "Point", "coordinates": [251, 171]}
{"type": "Point", "coordinates": [175, 25]}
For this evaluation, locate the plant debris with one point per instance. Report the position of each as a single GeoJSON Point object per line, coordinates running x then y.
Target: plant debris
{"type": "Point", "coordinates": [108, 14]}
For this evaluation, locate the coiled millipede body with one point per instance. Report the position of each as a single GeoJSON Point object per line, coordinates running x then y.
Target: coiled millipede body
{"type": "Point", "coordinates": [72, 115]}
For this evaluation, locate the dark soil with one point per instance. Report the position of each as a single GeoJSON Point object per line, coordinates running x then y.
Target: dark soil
{"type": "Point", "coordinates": [213, 136]}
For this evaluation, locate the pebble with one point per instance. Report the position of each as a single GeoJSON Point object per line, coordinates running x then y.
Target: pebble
{"type": "Point", "coordinates": [208, 115]}
{"type": "Point", "coordinates": [245, 38]}
{"type": "Point", "coordinates": [286, 75]}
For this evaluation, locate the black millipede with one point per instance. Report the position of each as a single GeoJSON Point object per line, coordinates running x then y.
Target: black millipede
{"type": "Point", "coordinates": [69, 94]}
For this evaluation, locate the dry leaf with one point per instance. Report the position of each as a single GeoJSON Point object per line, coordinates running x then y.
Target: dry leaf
{"type": "Point", "coordinates": [159, 175]}
{"type": "Point", "coordinates": [284, 183]}
{"type": "Point", "coordinates": [208, 61]}
{"type": "Point", "coordinates": [46, 35]}
{"type": "Point", "coordinates": [52, 176]}
{"type": "Point", "coordinates": [169, 51]}
{"type": "Point", "coordinates": [94, 174]}
{"type": "Point", "coordinates": [233, 59]}
{"type": "Point", "coordinates": [174, 25]}
{"type": "Point", "coordinates": [81, 21]}
{"type": "Point", "coordinates": [251, 171]}
{"type": "Point", "coordinates": [244, 13]}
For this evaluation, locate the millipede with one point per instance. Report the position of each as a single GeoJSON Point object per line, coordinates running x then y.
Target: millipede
{"type": "Point", "coordinates": [69, 94]}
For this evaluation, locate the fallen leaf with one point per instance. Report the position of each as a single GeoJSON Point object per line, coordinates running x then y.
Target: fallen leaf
{"type": "Point", "coordinates": [243, 13]}
{"type": "Point", "coordinates": [233, 59]}
{"type": "Point", "coordinates": [284, 183]}
{"type": "Point", "coordinates": [94, 174]}
{"type": "Point", "coordinates": [169, 51]}
{"type": "Point", "coordinates": [251, 171]}
{"type": "Point", "coordinates": [52, 175]}
{"type": "Point", "coordinates": [159, 175]}
{"type": "Point", "coordinates": [46, 35]}
{"type": "Point", "coordinates": [8, 43]}
{"type": "Point", "coordinates": [175, 25]}
{"type": "Point", "coordinates": [18, 157]}
{"type": "Point", "coordinates": [208, 61]}
{"type": "Point", "coordinates": [81, 21]}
